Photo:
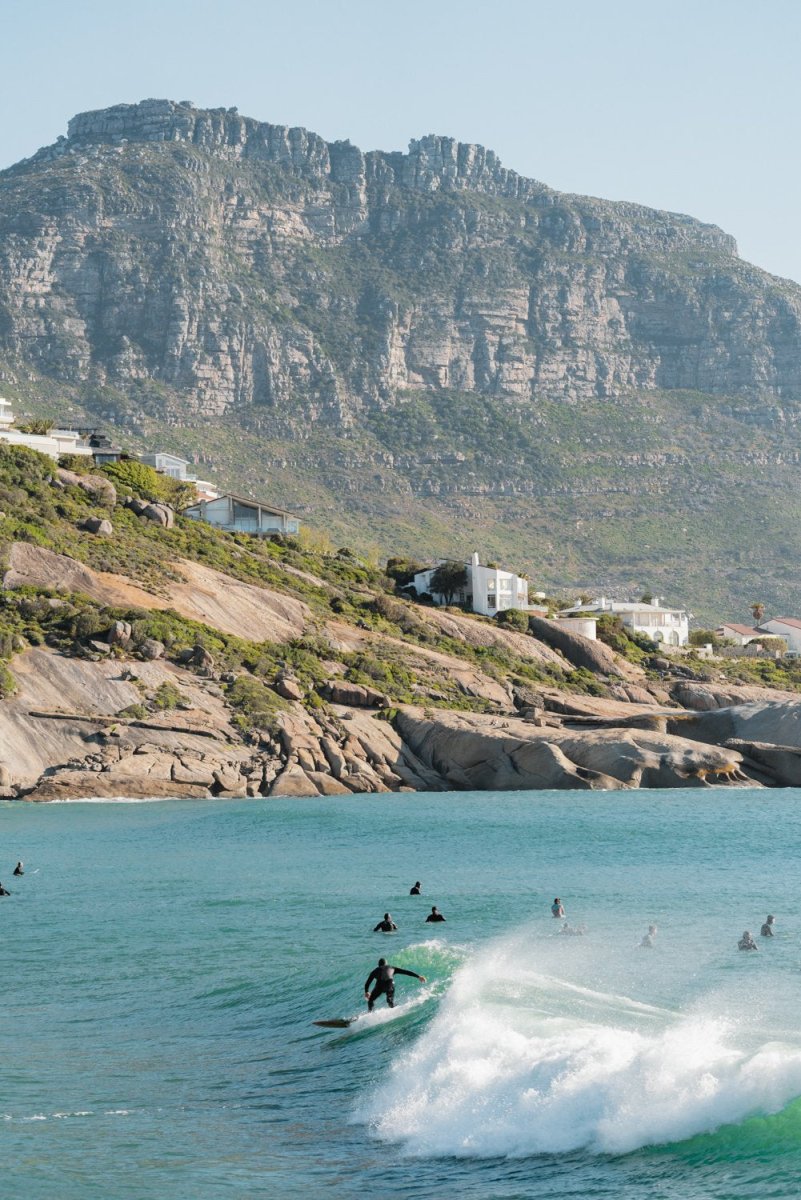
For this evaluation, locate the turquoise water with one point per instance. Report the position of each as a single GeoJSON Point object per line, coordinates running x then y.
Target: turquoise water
{"type": "Point", "coordinates": [163, 963]}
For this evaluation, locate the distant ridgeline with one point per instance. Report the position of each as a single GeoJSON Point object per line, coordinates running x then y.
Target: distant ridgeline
{"type": "Point", "coordinates": [602, 392]}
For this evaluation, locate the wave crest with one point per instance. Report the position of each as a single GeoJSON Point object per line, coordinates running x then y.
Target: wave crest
{"type": "Point", "coordinates": [538, 1065]}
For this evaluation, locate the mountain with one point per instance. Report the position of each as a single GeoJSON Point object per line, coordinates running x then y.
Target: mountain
{"type": "Point", "coordinates": [422, 353]}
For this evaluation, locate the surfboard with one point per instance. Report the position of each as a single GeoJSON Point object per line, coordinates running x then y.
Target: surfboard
{"type": "Point", "coordinates": [337, 1023]}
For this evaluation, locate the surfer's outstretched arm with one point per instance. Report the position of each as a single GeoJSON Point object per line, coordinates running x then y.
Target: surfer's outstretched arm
{"type": "Point", "coordinates": [413, 974]}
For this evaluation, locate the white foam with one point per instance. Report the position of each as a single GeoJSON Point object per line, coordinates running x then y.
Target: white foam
{"type": "Point", "coordinates": [540, 1065]}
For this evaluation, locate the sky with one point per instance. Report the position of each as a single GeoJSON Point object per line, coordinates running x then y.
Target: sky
{"type": "Point", "coordinates": [693, 107]}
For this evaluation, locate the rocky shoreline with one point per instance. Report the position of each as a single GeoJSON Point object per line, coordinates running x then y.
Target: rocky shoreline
{"type": "Point", "coordinates": [62, 738]}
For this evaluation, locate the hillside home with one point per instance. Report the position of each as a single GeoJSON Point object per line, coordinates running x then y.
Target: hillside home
{"type": "Point", "coordinates": [665, 626]}
{"type": "Point", "coordinates": [54, 444]}
{"type": "Point", "coordinates": [238, 514]}
{"type": "Point", "coordinates": [168, 464]}
{"type": "Point", "coordinates": [488, 589]}
{"type": "Point", "coordinates": [741, 635]}
{"type": "Point", "coordinates": [788, 628]}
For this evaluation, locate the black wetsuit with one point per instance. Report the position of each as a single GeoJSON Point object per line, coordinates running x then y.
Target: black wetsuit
{"type": "Point", "coordinates": [415, 891]}
{"type": "Point", "coordinates": [17, 871]}
{"type": "Point", "coordinates": [3, 891]}
{"type": "Point", "coordinates": [385, 927]}
{"type": "Point", "coordinates": [384, 980]}
{"type": "Point", "coordinates": [435, 917]}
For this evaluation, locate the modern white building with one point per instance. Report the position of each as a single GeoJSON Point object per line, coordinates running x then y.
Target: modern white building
{"type": "Point", "coordinates": [488, 589]}
{"type": "Point", "coordinates": [55, 443]}
{"type": "Point", "coordinates": [788, 628]}
{"type": "Point", "coordinates": [238, 514]}
{"type": "Point", "coordinates": [665, 626]}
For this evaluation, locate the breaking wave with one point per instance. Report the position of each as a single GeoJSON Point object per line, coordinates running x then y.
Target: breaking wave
{"type": "Point", "coordinates": [518, 1062]}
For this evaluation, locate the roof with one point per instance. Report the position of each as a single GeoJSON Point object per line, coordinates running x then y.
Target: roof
{"type": "Point", "coordinates": [792, 622]}
{"type": "Point", "coordinates": [743, 630]}
{"type": "Point", "coordinates": [164, 454]}
{"type": "Point", "coordinates": [620, 606]}
{"type": "Point", "coordinates": [250, 502]}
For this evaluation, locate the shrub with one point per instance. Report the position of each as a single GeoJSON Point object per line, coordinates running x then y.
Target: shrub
{"type": "Point", "coordinates": [256, 705]}
{"type": "Point", "coordinates": [513, 618]}
{"type": "Point", "coordinates": [168, 696]}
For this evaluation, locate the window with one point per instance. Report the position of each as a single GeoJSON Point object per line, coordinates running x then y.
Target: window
{"type": "Point", "coordinates": [490, 599]}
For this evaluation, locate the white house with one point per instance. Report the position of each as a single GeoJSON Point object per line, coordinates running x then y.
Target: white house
{"type": "Point", "coordinates": [741, 635]}
{"type": "Point", "coordinates": [668, 626]}
{"type": "Point", "coordinates": [55, 443]}
{"type": "Point", "coordinates": [488, 589]}
{"type": "Point", "coordinates": [788, 628]}
{"type": "Point", "coordinates": [238, 514]}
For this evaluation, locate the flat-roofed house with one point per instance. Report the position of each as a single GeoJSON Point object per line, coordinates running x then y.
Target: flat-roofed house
{"type": "Point", "coordinates": [55, 443]}
{"type": "Point", "coordinates": [788, 628]}
{"type": "Point", "coordinates": [489, 590]}
{"type": "Point", "coordinates": [240, 514]}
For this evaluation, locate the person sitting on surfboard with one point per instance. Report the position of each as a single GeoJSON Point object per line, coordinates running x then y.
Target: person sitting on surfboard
{"type": "Point", "coordinates": [647, 942]}
{"type": "Point", "coordinates": [18, 870]}
{"type": "Point", "coordinates": [557, 911]}
{"type": "Point", "coordinates": [386, 926]}
{"type": "Point", "coordinates": [746, 942]}
{"type": "Point", "coordinates": [3, 891]}
{"type": "Point", "coordinates": [767, 928]}
{"type": "Point", "coordinates": [435, 914]}
{"type": "Point", "coordinates": [383, 977]}
{"type": "Point", "coordinates": [416, 890]}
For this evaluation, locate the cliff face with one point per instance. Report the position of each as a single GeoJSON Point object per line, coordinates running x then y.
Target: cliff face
{"type": "Point", "coordinates": [590, 389]}
{"type": "Point", "coordinates": [241, 262]}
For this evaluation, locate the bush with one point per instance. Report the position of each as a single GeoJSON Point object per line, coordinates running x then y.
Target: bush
{"type": "Point", "coordinates": [513, 618]}
{"type": "Point", "coordinates": [257, 706]}
{"type": "Point", "coordinates": [403, 570]}
{"type": "Point", "coordinates": [168, 696]}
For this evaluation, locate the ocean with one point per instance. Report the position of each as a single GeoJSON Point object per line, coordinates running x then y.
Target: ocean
{"type": "Point", "coordinates": [163, 963]}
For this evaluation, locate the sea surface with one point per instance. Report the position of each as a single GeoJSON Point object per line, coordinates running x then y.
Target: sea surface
{"type": "Point", "coordinates": [163, 962]}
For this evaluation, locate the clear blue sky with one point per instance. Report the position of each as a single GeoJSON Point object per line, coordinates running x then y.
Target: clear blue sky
{"type": "Point", "coordinates": [690, 106]}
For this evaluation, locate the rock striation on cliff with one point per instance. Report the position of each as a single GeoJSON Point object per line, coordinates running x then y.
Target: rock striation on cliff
{"type": "Point", "coordinates": [413, 333]}
{"type": "Point", "coordinates": [243, 262]}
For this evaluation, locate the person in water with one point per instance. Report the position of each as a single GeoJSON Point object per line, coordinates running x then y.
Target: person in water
{"type": "Point", "coordinates": [557, 911]}
{"type": "Point", "coordinates": [746, 942]}
{"type": "Point", "coordinates": [648, 940]}
{"type": "Point", "coordinates": [435, 914]}
{"type": "Point", "coordinates": [386, 926]}
{"type": "Point", "coordinates": [3, 891]}
{"type": "Point", "coordinates": [767, 928]}
{"type": "Point", "coordinates": [416, 890]}
{"type": "Point", "coordinates": [18, 870]}
{"type": "Point", "coordinates": [382, 978]}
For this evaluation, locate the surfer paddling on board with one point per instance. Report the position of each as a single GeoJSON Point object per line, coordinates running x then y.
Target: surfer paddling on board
{"type": "Point", "coordinates": [382, 979]}
{"type": "Point", "coordinates": [557, 909]}
{"type": "Point", "coordinates": [746, 942]}
{"type": "Point", "coordinates": [386, 926]}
